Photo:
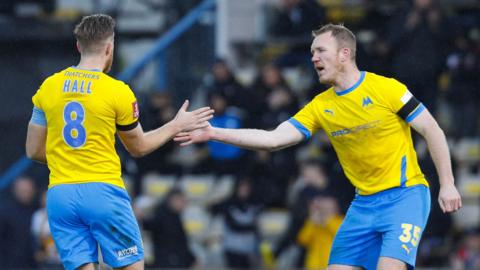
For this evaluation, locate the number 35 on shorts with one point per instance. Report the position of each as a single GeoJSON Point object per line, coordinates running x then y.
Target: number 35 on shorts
{"type": "Point", "coordinates": [411, 234]}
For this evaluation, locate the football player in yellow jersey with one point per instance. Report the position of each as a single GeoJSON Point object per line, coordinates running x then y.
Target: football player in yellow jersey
{"type": "Point", "coordinates": [75, 117]}
{"type": "Point", "coordinates": [368, 119]}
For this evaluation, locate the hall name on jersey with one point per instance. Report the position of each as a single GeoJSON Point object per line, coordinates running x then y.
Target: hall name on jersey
{"type": "Point", "coordinates": [77, 86]}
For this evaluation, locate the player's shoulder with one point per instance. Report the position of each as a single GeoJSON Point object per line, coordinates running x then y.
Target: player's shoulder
{"type": "Point", "coordinates": [115, 84]}
{"type": "Point", "coordinates": [324, 95]}
{"type": "Point", "coordinates": [380, 80]}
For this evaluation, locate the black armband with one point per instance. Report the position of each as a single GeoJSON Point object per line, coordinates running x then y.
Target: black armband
{"type": "Point", "coordinates": [127, 127]}
{"type": "Point", "coordinates": [408, 108]}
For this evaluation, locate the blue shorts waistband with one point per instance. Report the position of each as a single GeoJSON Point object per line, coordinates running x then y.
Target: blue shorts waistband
{"type": "Point", "coordinates": [390, 191]}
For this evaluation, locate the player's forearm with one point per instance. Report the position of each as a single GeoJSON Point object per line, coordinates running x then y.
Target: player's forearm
{"type": "Point", "coordinates": [154, 139]}
{"type": "Point", "coordinates": [254, 139]}
{"type": "Point", "coordinates": [438, 148]}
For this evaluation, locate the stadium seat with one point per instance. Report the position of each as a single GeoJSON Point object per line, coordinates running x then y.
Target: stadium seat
{"type": "Point", "coordinates": [273, 223]}
{"type": "Point", "coordinates": [197, 187]}
{"type": "Point", "coordinates": [222, 189]}
{"type": "Point", "coordinates": [469, 186]}
{"type": "Point", "coordinates": [467, 150]}
{"type": "Point", "coordinates": [157, 185]}
{"type": "Point", "coordinates": [196, 222]}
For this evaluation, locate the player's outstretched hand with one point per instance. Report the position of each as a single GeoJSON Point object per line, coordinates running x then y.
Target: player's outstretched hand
{"type": "Point", "coordinates": [188, 121]}
{"type": "Point", "coordinates": [196, 136]}
{"type": "Point", "coordinates": [449, 198]}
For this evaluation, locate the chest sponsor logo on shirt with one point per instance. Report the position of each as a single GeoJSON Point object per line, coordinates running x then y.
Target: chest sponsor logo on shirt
{"type": "Point", "coordinates": [355, 129]}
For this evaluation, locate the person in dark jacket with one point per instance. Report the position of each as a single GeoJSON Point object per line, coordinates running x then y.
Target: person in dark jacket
{"type": "Point", "coordinates": [240, 236]}
{"type": "Point", "coordinates": [170, 242]}
{"type": "Point", "coordinates": [16, 250]}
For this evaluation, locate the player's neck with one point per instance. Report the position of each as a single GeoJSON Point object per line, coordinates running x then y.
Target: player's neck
{"type": "Point", "coordinates": [347, 78]}
{"type": "Point", "coordinates": [91, 63]}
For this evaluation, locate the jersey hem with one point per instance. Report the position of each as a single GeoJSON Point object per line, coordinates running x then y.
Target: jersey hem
{"type": "Point", "coordinates": [408, 185]}
{"type": "Point", "coordinates": [120, 185]}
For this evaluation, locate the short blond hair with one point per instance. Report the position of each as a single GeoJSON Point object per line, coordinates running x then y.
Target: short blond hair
{"type": "Point", "coordinates": [344, 37]}
{"type": "Point", "coordinates": [92, 31]}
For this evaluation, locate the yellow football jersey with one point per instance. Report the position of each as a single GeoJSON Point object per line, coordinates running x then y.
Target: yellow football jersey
{"type": "Point", "coordinates": [367, 125]}
{"type": "Point", "coordinates": [83, 109]}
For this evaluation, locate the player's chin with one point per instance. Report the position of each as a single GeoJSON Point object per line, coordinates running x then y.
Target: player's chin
{"type": "Point", "coordinates": [323, 79]}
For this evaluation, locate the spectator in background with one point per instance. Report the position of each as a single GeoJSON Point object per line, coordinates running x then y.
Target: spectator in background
{"type": "Point", "coordinates": [418, 39]}
{"type": "Point", "coordinates": [170, 242]}
{"type": "Point", "coordinates": [269, 79]}
{"type": "Point", "coordinates": [272, 176]}
{"type": "Point", "coordinates": [240, 236]}
{"type": "Point", "coordinates": [319, 230]}
{"type": "Point", "coordinates": [297, 18]}
{"type": "Point", "coordinates": [467, 257]}
{"type": "Point", "coordinates": [46, 253]}
{"type": "Point", "coordinates": [16, 249]}
{"type": "Point", "coordinates": [281, 103]}
{"type": "Point", "coordinates": [293, 23]}
{"type": "Point", "coordinates": [278, 101]}
{"type": "Point", "coordinates": [463, 66]}
{"type": "Point", "coordinates": [312, 182]}
{"type": "Point", "coordinates": [224, 158]}
{"type": "Point", "coordinates": [275, 170]}
{"type": "Point", "coordinates": [224, 82]}
{"type": "Point", "coordinates": [159, 110]}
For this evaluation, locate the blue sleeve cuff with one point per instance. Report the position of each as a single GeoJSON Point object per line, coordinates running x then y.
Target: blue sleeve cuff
{"type": "Point", "coordinates": [300, 127]}
{"type": "Point", "coordinates": [38, 117]}
{"type": "Point", "coordinates": [415, 113]}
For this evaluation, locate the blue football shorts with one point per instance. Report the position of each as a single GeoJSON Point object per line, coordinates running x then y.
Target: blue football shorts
{"type": "Point", "coordinates": [83, 217]}
{"type": "Point", "coordinates": [386, 224]}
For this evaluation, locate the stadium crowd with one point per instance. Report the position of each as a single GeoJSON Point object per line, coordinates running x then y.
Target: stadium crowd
{"type": "Point", "coordinates": [434, 49]}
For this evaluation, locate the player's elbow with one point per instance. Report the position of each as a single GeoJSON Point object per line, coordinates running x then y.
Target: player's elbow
{"type": "Point", "coordinates": [277, 140]}
{"type": "Point", "coordinates": [274, 142]}
{"type": "Point", "coordinates": [37, 156]}
{"type": "Point", "coordinates": [136, 148]}
{"type": "Point", "coordinates": [274, 147]}
{"type": "Point", "coordinates": [137, 153]}
{"type": "Point", "coordinates": [32, 153]}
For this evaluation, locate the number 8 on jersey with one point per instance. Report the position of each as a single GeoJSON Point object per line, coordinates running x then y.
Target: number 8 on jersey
{"type": "Point", "coordinates": [74, 133]}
